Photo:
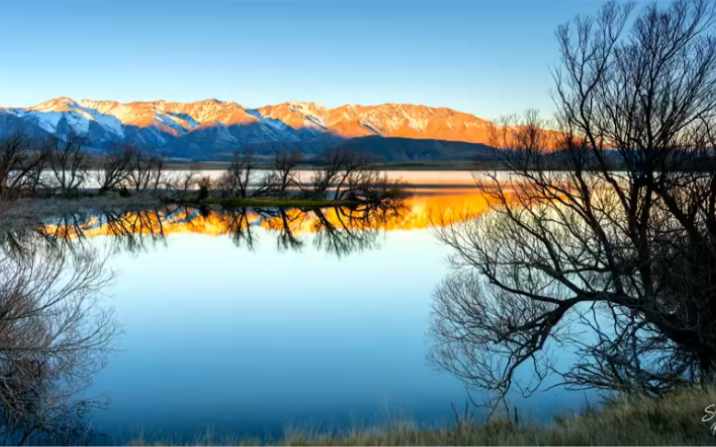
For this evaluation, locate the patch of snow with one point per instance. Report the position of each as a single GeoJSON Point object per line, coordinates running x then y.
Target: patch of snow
{"type": "Point", "coordinates": [284, 130]}
{"type": "Point", "coordinates": [191, 122]}
{"type": "Point", "coordinates": [53, 104]}
{"type": "Point", "coordinates": [309, 115]}
{"type": "Point", "coordinates": [276, 128]}
{"type": "Point", "coordinates": [370, 127]}
{"type": "Point", "coordinates": [168, 121]}
{"type": "Point", "coordinates": [120, 111]}
{"type": "Point", "coordinates": [108, 122]}
{"type": "Point", "coordinates": [77, 122]}
{"type": "Point", "coordinates": [255, 113]}
{"type": "Point", "coordinates": [222, 133]}
{"type": "Point", "coordinates": [313, 120]}
{"type": "Point", "coordinates": [46, 120]}
{"type": "Point", "coordinates": [48, 115]}
{"type": "Point", "coordinates": [418, 124]}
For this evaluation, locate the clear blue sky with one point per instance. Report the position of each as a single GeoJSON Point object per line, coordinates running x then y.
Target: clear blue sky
{"type": "Point", "coordinates": [486, 58]}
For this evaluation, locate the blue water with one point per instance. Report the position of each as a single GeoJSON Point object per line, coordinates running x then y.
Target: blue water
{"type": "Point", "coordinates": [247, 342]}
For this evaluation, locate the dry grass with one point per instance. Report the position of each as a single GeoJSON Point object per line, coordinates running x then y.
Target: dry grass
{"type": "Point", "coordinates": [673, 420]}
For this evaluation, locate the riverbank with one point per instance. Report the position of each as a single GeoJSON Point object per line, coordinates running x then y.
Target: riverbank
{"type": "Point", "coordinates": [675, 419]}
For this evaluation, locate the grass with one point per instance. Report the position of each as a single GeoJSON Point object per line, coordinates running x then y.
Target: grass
{"type": "Point", "coordinates": [675, 419]}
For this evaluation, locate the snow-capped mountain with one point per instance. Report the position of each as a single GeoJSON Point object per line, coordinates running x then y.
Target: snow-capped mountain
{"type": "Point", "coordinates": [211, 128]}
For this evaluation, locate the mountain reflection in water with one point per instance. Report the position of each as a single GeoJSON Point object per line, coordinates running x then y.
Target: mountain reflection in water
{"type": "Point", "coordinates": [276, 332]}
{"type": "Point", "coordinates": [338, 230]}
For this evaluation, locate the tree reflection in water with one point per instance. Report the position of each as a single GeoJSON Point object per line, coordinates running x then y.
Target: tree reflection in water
{"type": "Point", "coordinates": [338, 230]}
{"type": "Point", "coordinates": [55, 334]}
{"type": "Point", "coordinates": [55, 331]}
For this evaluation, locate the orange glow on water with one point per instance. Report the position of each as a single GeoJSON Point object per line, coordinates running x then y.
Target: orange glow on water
{"type": "Point", "coordinates": [416, 212]}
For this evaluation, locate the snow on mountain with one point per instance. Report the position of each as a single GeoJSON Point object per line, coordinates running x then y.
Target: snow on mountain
{"type": "Point", "coordinates": [109, 122]}
{"type": "Point", "coordinates": [205, 128]}
{"type": "Point", "coordinates": [47, 121]}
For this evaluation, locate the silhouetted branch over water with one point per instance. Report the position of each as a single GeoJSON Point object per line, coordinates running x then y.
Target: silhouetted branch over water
{"type": "Point", "coordinates": [55, 333]}
{"type": "Point", "coordinates": [629, 254]}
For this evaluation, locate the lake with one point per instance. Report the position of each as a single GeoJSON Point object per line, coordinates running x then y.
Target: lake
{"type": "Point", "coordinates": [244, 322]}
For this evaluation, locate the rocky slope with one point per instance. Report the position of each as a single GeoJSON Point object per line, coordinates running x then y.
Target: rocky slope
{"type": "Point", "coordinates": [211, 129]}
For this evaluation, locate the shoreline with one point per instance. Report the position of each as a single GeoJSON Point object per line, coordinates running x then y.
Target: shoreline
{"type": "Point", "coordinates": [31, 210]}
{"type": "Point", "coordinates": [674, 419]}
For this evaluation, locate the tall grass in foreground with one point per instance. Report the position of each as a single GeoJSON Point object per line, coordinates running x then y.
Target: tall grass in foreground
{"type": "Point", "coordinates": [675, 419]}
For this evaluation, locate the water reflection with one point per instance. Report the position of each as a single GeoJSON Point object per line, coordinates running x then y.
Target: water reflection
{"type": "Point", "coordinates": [337, 230]}
{"type": "Point", "coordinates": [55, 333]}
{"type": "Point", "coordinates": [199, 312]}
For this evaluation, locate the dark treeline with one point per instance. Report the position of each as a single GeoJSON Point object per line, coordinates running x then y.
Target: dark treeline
{"type": "Point", "coordinates": [63, 167]}
{"type": "Point", "coordinates": [339, 174]}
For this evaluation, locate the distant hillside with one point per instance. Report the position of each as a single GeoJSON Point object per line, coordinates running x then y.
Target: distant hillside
{"type": "Point", "coordinates": [382, 149]}
{"type": "Point", "coordinates": [396, 149]}
{"type": "Point", "coordinates": [212, 129]}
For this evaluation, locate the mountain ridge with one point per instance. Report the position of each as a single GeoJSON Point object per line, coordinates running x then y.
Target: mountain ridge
{"type": "Point", "coordinates": [210, 128]}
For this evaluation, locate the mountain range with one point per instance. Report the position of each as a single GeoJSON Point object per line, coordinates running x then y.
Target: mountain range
{"type": "Point", "coordinates": [213, 129]}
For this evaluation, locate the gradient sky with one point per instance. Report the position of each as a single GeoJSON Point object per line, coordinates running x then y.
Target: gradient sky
{"type": "Point", "coordinates": [486, 58]}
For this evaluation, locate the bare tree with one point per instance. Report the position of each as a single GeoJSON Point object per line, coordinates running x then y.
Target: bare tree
{"type": "Point", "coordinates": [182, 184]}
{"type": "Point", "coordinates": [20, 166]}
{"type": "Point", "coordinates": [235, 181]}
{"type": "Point", "coordinates": [115, 168]}
{"type": "Point", "coordinates": [54, 335]}
{"type": "Point", "coordinates": [146, 169]}
{"type": "Point", "coordinates": [281, 177]}
{"type": "Point", "coordinates": [352, 176]}
{"type": "Point", "coordinates": [333, 163]}
{"type": "Point", "coordinates": [629, 253]}
{"type": "Point", "coordinates": [67, 161]}
{"type": "Point", "coordinates": [204, 184]}
{"type": "Point", "coordinates": [337, 166]}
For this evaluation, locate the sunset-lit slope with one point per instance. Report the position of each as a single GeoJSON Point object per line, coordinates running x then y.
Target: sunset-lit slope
{"type": "Point", "coordinates": [390, 120]}
{"type": "Point", "coordinates": [179, 118]}
{"type": "Point", "coordinates": [210, 128]}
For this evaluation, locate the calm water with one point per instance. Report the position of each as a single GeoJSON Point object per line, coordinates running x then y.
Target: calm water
{"type": "Point", "coordinates": [246, 324]}
{"type": "Point", "coordinates": [454, 179]}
